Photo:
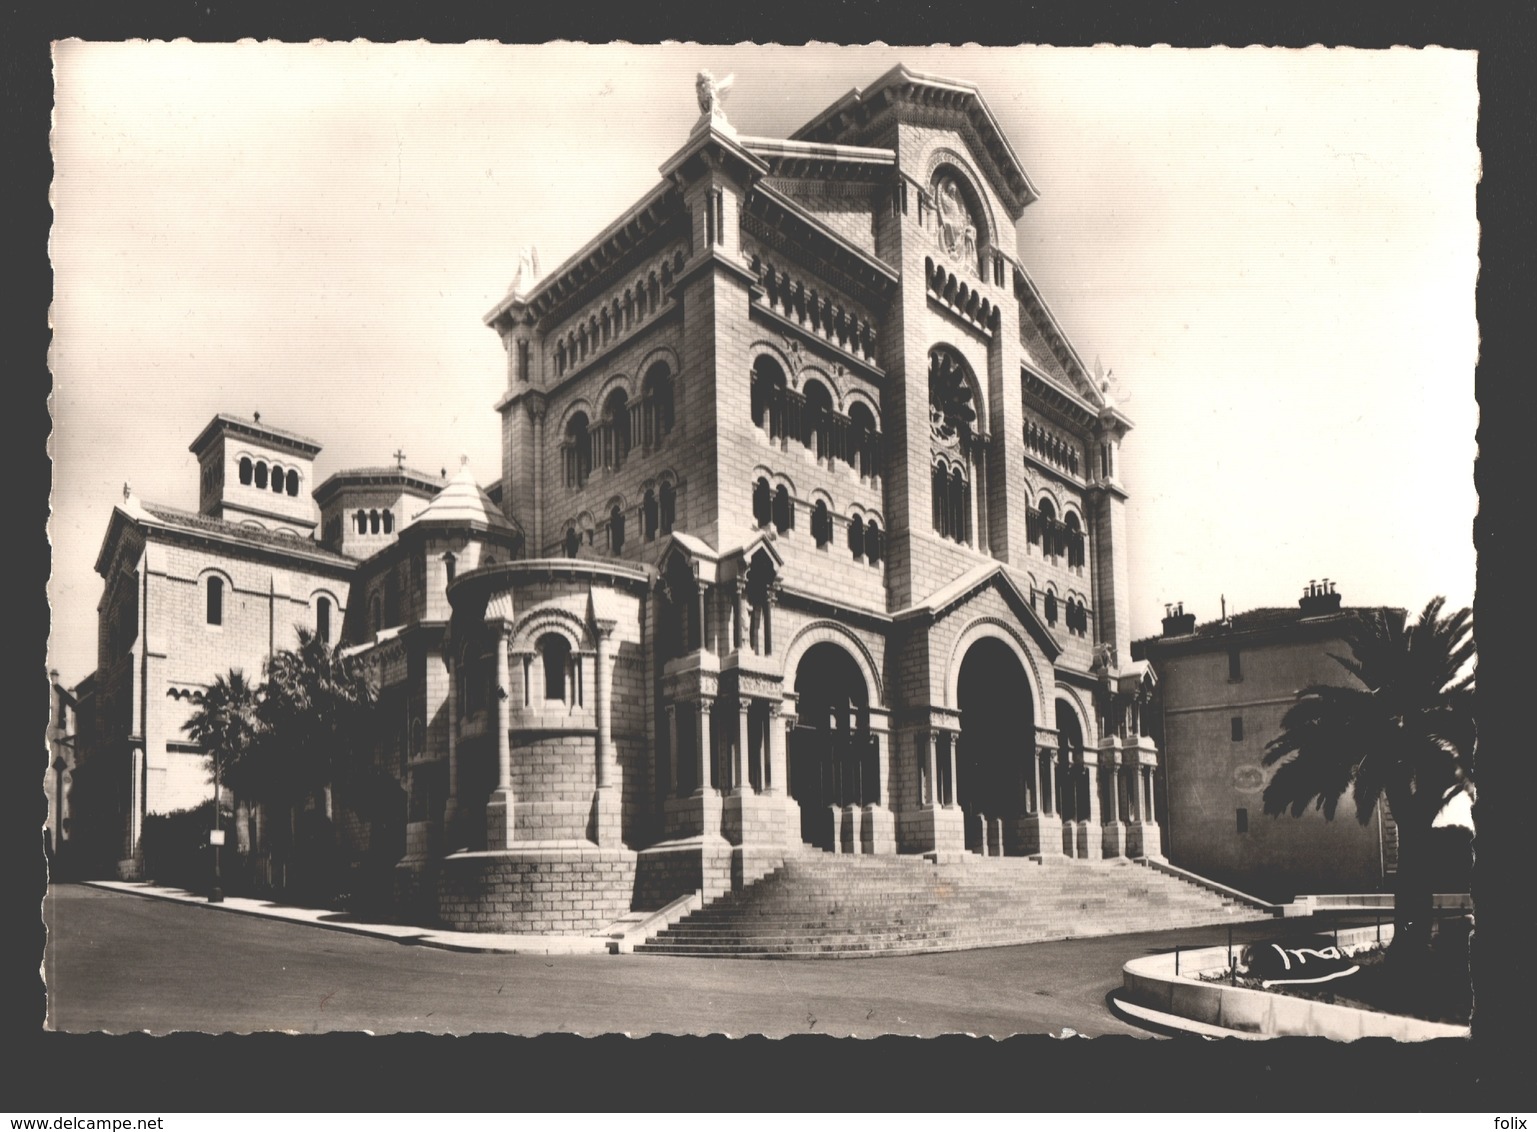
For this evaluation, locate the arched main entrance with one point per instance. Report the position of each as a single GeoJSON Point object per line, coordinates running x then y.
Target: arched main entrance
{"type": "Point", "coordinates": [996, 742]}
{"type": "Point", "coordinates": [833, 756]}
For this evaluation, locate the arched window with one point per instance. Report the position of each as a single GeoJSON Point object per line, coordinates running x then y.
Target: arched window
{"type": "Point", "coordinates": [821, 524]}
{"type": "Point", "coordinates": [577, 450]}
{"type": "Point", "coordinates": [373, 522]}
{"type": "Point", "coordinates": [261, 474]}
{"type": "Point", "coordinates": [762, 502]}
{"type": "Point", "coordinates": [615, 529]}
{"type": "Point", "coordinates": [277, 479]}
{"type": "Point", "coordinates": [360, 520]}
{"type": "Point", "coordinates": [246, 470]}
{"type": "Point", "coordinates": [375, 621]}
{"type": "Point", "coordinates": [323, 619]}
{"type": "Point", "coordinates": [555, 652]}
{"type": "Point", "coordinates": [818, 422]}
{"type": "Point", "coordinates": [953, 440]}
{"type": "Point", "coordinates": [1050, 534]}
{"type": "Point", "coordinates": [874, 543]}
{"type": "Point", "coordinates": [215, 612]}
{"type": "Point", "coordinates": [862, 448]}
{"type": "Point", "coordinates": [857, 537]}
{"type": "Point", "coordinates": [649, 514]}
{"type": "Point", "coordinates": [616, 420]}
{"type": "Point", "coordinates": [293, 482]}
{"type": "Point", "coordinates": [658, 415]}
{"type": "Point", "coordinates": [669, 508]}
{"type": "Point", "coordinates": [1051, 608]}
{"type": "Point", "coordinates": [768, 395]}
{"type": "Point", "coordinates": [389, 520]}
{"type": "Point", "coordinates": [784, 510]}
{"type": "Point", "coordinates": [573, 542]}
{"type": "Point", "coordinates": [1074, 539]}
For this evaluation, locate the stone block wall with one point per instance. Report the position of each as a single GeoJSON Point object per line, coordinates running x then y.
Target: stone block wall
{"type": "Point", "coordinates": [556, 892]}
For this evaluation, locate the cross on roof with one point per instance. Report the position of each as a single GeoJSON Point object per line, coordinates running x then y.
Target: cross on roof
{"type": "Point", "coordinates": [400, 458]}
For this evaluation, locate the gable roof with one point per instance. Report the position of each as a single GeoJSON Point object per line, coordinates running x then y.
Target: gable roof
{"type": "Point", "coordinates": [157, 518]}
{"type": "Point", "coordinates": [855, 109]}
{"type": "Point", "coordinates": [947, 597]}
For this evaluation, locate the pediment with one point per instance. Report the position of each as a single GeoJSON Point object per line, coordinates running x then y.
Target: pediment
{"type": "Point", "coordinates": [948, 602]}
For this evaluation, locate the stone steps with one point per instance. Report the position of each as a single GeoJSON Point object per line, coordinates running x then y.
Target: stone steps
{"type": "Point", "coordinates": [825, 906]}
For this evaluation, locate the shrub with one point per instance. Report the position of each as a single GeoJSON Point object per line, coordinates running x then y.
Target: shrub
{"type": "Point", "coordinates": [176, 849]}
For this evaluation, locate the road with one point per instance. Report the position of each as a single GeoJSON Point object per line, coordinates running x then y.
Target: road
{"type": "Point", "coordinates": [122, 963]}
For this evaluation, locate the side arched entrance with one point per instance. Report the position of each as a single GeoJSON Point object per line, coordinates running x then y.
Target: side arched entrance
{"type": "Point", "coordinates": [833, 757]}
{"type": "Point", "coordinates": [996, 743]}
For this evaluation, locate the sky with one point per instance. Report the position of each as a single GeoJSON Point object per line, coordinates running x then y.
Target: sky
{"type": "Point", "coordinates": [1273, 250]}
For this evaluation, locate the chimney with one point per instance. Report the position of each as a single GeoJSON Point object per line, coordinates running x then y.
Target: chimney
{"type": "Point", "coordinates": [1319, 599]}
{"type": "Point", "coordinates": [1176, 622]}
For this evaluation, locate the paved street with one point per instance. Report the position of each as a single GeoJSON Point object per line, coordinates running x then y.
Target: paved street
{"type": "Point", "coordinates": [124, 963]}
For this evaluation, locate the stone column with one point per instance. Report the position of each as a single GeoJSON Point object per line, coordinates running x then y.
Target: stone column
{"type": "Point", "coordinates": [739, 622]}
{"type": "Point", "coordinates": [672, 752]}
{"type": "Point", "coordinates": [1090, 833]}
{"type": "Point", "coordinates": [607, 810]}
{"type": "Point", "coordinates": [774, 751]}
{"type": "Point", "coordinates": [953, 791]}
{"type": "Point", "coordinates": [699, 609]}
{"type": "Point", "coordinates": [930, 796]}
{"type": "Point", "coordinates": [1041, 833]}
{"type": "Point", "coordinates": [500, 808]}
{"type": "Point", "coordinates": [741, 781]}
{"type": "Point", "coordinates": [1113, 838]}
{"type": "Point", "coordinates": [536, 410]}
{"type": "Point", "coordinates": [703, 744]}
{"type": "Point", "coordinates": [878, 830]}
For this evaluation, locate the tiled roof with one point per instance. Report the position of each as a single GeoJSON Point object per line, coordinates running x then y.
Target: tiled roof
{"type": "Point", "coordinates": [253, 429]}
{"type": "Point", "coordinates": [235, 532]}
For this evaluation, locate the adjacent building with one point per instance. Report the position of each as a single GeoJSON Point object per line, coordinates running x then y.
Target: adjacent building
{"type": "Point", "coordinates": [1222, 688]}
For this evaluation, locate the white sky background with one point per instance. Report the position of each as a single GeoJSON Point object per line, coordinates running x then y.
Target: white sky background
{"type": "Point", "coordinates": [1275, 251]}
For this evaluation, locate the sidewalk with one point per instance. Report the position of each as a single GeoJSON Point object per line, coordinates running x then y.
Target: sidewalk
{"type": "Point", "coordinates": [402, 933]}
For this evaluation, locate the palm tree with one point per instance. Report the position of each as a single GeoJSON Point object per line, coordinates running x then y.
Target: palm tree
{"type": "Point", "coordinates": [314, 711]}
{"type": "Point", "coordinates": [225, 725]}
{"type": "Point", "coordinates": [315, 702]}
{"type": "Point", "coordinates": [1406, 733]}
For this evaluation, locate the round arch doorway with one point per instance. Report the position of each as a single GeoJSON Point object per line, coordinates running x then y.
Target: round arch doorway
{"type": "Point", "coordinates": [832, 756]}
{"type": "Point", "coordinates": [997, 741]}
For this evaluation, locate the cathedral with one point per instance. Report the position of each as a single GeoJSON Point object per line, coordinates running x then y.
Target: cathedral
{"type": "Point", "coordinates": [809, 536]}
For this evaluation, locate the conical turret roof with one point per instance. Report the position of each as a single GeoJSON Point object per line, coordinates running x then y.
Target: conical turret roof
{"type": "Point", "coordinates": [462, 501]}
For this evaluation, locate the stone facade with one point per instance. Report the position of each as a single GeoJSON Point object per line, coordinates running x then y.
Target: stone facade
{"type": "Point", "coordinates": [809, 531]}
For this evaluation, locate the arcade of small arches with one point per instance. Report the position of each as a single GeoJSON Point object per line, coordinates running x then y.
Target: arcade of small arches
{"type": "Point", "coordinates": [622, 426]}
{"type": "Point", "coordinates": [808, 416]}
{"type": "Point", "coordinates": [1056, 537]}
{"type": "Point", "coordinates": [373, 521]}
{"type": "Point", "coordinates": [657, 514]}
{"type": "Point", "coordinates": [774, 506]}
{"type": "Point", "coordinates": [618, 315]}
{"type": "Point", "coordinates": [264, 476]}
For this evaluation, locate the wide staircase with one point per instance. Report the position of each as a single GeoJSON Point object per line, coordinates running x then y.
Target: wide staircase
{"type": "Point", "coordinates": [822, 906]}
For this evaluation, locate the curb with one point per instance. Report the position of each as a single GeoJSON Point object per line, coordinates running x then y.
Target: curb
{"type": "Point", "coordinates": [467, 942]}
{"type": "Point", "coordinates": [1150, 983]}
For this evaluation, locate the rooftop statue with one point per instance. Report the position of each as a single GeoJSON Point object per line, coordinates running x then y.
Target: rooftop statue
{"type": "Point", "coordinates": [528, 269]}
{"type": "Point", "coordinates": [712, 94]}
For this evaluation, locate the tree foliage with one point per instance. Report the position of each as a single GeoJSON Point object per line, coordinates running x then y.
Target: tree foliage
{"type": "Point", "coordinates": [225, 723]}
{"type": "Point", "coordinates": [1405, 732]}
{"type": "Point", "coordinates": [313, 709]}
